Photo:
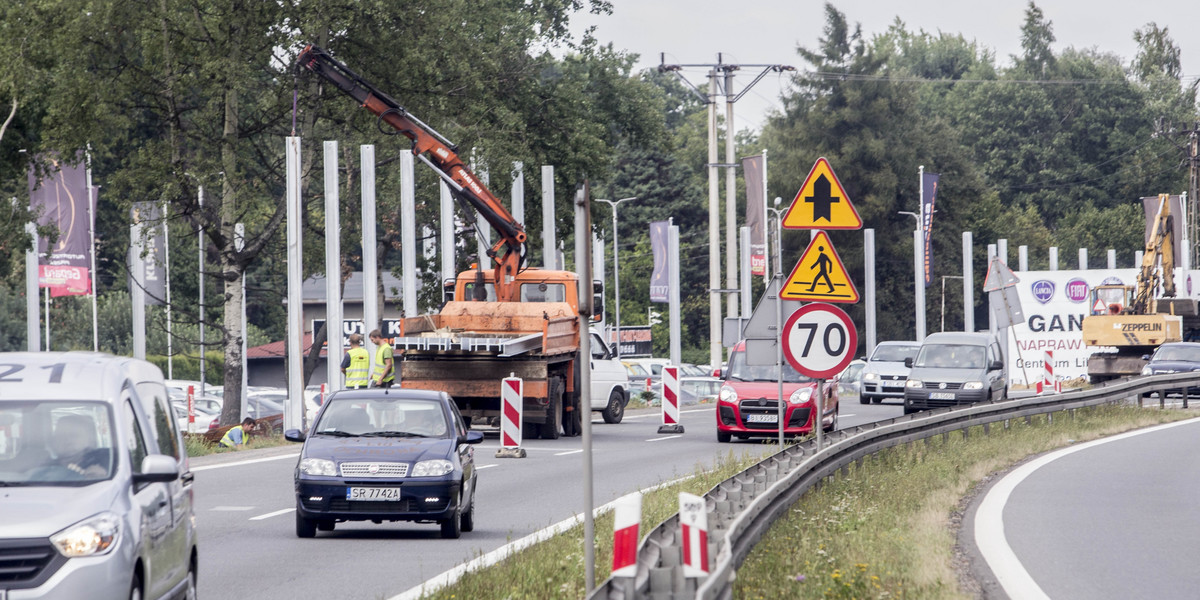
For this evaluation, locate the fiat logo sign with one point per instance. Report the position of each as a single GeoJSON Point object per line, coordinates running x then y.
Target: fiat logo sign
{"type": "Point", "coordinates": [1076, 290]}
{"type": "Point", "coordinates": [1043, 290]}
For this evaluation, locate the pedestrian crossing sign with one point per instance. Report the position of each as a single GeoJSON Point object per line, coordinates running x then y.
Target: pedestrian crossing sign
{"type": "Point", "coordinates": [819, 275]}
{"type": "Point", "coordinates": [822, 203]}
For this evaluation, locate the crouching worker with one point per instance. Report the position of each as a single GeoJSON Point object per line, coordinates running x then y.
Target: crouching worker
{"type": "Point", "coordinates": [238, 437]}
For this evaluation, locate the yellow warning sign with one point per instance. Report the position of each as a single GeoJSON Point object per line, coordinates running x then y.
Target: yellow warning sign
{"type": "Point", "coordinates": [822, 203]}
{"type": "Point", "coordinates": [820, 275]}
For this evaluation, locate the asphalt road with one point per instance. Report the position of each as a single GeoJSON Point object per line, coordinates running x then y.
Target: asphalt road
{"type": "Point", "coordinates": [1113, 519]}
{"type": "Point", "coordinates": [245, 516]}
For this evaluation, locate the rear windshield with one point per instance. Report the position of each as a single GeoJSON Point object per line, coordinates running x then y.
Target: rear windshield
{"type": "Point", "coordinates": [894, 353]}
{"type": "Point", "coordinates": [740, 371]}
{"type": "Point", "coordinates": [951, 356]}
{"type": "Point", "coordinates": [56, 443]}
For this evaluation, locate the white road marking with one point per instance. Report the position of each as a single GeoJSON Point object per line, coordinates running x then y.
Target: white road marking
{"type": "Point", "coordinates": [499, 554]}
{"type": "Point", "coordinates": [568, 452]}
{"type": "Point", "coordinates": [244, 462]}
{"type": "Point", "coordinates": [231, 508]}
{"type": "Point", "coordinates": [478, 467]}
{"type": "Point", "coordinates": [669, 437]}
{"type": "Point", "coordinates": [273, 514]}
{"type": "Point", "coordinates": [989, 519]}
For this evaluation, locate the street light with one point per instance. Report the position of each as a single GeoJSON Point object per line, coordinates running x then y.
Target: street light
{"type": "Point", "coordinates": [616, 269]}
{"type": "Point", "coordinates": [918, 276]}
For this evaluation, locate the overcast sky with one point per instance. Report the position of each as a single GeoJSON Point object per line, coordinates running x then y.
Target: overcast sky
{"type": "Point", "coordinates": [768, 31]}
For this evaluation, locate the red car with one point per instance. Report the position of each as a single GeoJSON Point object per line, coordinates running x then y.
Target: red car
{"type": "Point", "coordinates": [748, 404]}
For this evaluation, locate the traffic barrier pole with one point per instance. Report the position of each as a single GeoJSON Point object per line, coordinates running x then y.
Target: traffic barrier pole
{"type": "Point", "coordinates": [693, 523]}
{"type": "Point", "coordinates": [627, 518]}
{"type": "Point", "coordinates": [670, 401]}
{"type": "Point", "coordinates": [191, 397]}
{"type": "Point", "coordinates": [512, 400]}
{"type": "Point", "coordinates": [1049, 384]}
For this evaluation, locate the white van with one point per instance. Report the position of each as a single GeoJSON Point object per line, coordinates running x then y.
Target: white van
{"type": "Point", "coordinates": [95, 489]}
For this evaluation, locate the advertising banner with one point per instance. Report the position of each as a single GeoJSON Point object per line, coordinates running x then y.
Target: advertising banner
{"type": "Point", "coordinates": [929, 186]}
{"type": "Point", "coordinates": [1055, 304]}
{"type": "Point", "coordinates": [61, 200]}
{"type": "Point", "coordinates": [660, 284]}
{"type": "Point", "coordinates": [752, 167]}
{"type": "Point", "coordinates": [149, 214]}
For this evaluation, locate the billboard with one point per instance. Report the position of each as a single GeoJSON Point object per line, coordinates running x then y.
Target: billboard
{"type": "Point", "coordinates": [61, 201]}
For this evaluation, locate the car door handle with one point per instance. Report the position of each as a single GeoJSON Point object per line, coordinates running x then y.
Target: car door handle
{"type": "Point", "coordinates": [188, 478]}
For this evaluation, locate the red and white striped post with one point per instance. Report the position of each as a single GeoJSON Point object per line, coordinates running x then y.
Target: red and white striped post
{"type": "Point", "coordinates": [191, 397]}
{"type": "Point", "coordinates": [512, 400]}
{"type": "Point", "coordinates": [322, 402]}
{"type": "Point", "coordinates": [693, 523]}
{"type": "Point", "coordinates": [627, 518]}
{"type": "Point", "coordinates": [670, 401]}
{"type": "Point", "coordinates": [1049, 384]}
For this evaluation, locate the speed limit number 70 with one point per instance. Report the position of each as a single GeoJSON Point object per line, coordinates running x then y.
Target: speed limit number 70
{"type": "Point", "coordinates": [819, 340]}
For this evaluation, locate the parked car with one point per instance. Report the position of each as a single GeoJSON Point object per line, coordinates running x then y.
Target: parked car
{"type": "Point", "coordinates": [1175, 357]}
{"type": "Point", "coordinates": [884, 375]}
{"type": "Point", "coordinates": [694, 390]}
{"type": "Point", "coordinates": [849, 381]}
{"type": "Point", "coordinates": [208, 403]}
{"type": "Point", "coordinates": [653, 367]}
{"type": "Point", "coordinates": [386, 455]}
{"type": "Point", "coordinates": [748, 404]}
{"type": "Point", "coordinates": [955, 368]}
{"type": "Point", "coordinates": [639, 378]}
{"type": "Point", "coordinates": [97, 492]}
{"type": "Point", "coordinates": [204, 419]}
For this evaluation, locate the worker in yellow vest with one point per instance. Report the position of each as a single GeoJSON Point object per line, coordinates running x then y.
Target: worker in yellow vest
{"type": "Point", "coordinates": [237, 437]}
{"type": "Point", "coordinates": [385, 372]}
{"type": "Point", "coordinates": [356, 364]}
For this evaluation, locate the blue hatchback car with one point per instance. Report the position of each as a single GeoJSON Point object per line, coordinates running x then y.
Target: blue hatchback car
{"type": "Point", "coordinates": [386, 455]}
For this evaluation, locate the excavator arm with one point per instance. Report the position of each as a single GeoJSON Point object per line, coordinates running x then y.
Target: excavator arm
{"type": "Point", "coordinates": [1160, 245]}
{"type": "Point", "coordinates": [437, 152]}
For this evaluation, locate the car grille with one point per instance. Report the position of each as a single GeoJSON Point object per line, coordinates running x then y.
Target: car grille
{"type": "Point", "coordinates": [934, 385]}
{"type": "Point", "coordinates": [346, 506]}
{"type": "Point", "coordinates": [27, 562]}
{"type": "Point", "coordinates": [369, 469]}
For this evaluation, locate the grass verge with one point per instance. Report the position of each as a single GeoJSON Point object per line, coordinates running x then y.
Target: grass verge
{"type": "Point", "coordinates": [552, 569]}
{"type": "Point", "coordinates": [884, 529]}
{"type": "Point", "coordinates": [197, 446]}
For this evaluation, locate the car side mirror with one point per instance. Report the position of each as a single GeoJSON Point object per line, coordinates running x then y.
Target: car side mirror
{"type": "Point", "coordinates": [293, 435]}
{"type": "Point", "coordinates": [157, 468]}
{"type": "Point", "coordinates": [718, 374]}
{"type": "Point", "coordinates": [996, 365]}
{"type": "Point", "coordinates": [472, 437]}
{"type": "Point", "coordinates": [908, 362]}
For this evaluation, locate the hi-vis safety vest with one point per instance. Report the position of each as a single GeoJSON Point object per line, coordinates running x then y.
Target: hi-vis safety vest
{"type": "Point", "coordinates": [357, 374]}
{"type": "Point", "coordinates": [385, 351]}
{"type": "Point", "coordinates": [227, 441]}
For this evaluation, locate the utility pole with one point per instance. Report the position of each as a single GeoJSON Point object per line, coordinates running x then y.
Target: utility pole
{"type": "Point", "coordinates": [714, 259]}
{"type": "Point", "coordinates": [1192, 159]}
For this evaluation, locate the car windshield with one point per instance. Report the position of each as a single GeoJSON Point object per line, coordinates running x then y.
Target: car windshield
{"type": "Point", "coordinates": [55, 443]}
{"type": "Point", "coordinates": [951, 356]}
{"type": "Point", "coordinates": [739, 370]}
{"type": "Point", "coordinates": [1179, 353]}
{"type": "Point", "coordinates": [890, 353]}
{"type": "Point", "coordinates": [851, 372]}
{"type": "Point", "coordinates": [384, 417]}
{"type": "Point", "coordinates": [636, 369]}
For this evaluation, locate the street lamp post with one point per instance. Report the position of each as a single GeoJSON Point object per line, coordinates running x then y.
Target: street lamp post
{"type": "Point", "coordinates": [918, 276]}
{"type": "Point", "coordinates": [616, 270]}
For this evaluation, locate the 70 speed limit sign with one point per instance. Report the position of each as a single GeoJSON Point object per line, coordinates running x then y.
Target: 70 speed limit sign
{"type": "Point", "coordinates": [819, 340]}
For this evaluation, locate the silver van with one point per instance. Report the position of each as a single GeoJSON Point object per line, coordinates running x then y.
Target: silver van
{"type": "Point", "coordinates": [95, 489]}
{"type": "Point", "coordinates": [955, 368]}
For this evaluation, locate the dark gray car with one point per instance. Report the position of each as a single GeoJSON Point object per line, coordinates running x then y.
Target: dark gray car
{"type": "Point", "coordinates": [955, 368]}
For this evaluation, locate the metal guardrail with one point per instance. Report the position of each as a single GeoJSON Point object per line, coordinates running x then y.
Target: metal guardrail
{"type": "Point", "coordinates": [742, 508]}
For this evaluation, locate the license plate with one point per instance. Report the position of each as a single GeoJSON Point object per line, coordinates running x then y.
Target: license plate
{"type": "Point", "coordinates": [893, 384]}
{"type": "Point", "coordinates": [372, 493]}
{"type": "Point", "coordinates": [762, 418]}
{"type": "Point", "coordinates": [941, 396]}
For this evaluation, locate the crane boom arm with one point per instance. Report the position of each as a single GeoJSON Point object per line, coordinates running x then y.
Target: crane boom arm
{"type": "Point", "coordinates": [1160, 245]}
{"type": "Point", "coordinates": [436, 151]}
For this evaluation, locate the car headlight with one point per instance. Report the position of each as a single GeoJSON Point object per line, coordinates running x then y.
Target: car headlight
{"type": "Point", "coordinates": [871, 377]}
{"type": "Point", "coordinates": [800, 396]}
{"type": "Point", "coordinates": [90, 537]}
{"type": "Point", "coordinates": [432, 468]}
{"type": "Point", "coordinates": [914, 383]}
{"type": "Point", "coordinates": [1146, 370]}
{"type": "Point", "coordinates": [318, 466]}
{"type": "Point", "coordinates": [973, 385]}
{"type": "Point", "coordinates": [727, 394]}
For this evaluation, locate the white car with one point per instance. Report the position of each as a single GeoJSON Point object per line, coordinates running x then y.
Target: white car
{"type": "Point", "coordinates": [204, 419]}
{"type": "Point", "coordinates": [610, 382]}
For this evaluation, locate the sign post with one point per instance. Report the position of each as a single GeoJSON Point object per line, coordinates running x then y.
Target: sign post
{"type": "Point", "coordinates": [819, 340]}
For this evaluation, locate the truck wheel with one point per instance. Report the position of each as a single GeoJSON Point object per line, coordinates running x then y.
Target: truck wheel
{"type": "Point", "coordinates": [573, 419]}
{"type": "Point", "coordinates": [549, 429]}
{"type": "Point", "coordinates": [615, 411]}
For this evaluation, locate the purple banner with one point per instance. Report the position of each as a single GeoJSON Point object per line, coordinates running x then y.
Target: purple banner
{"type": "Point", "coordinates": [752, 167]}
{"type": "Point", "coordinates": [660, 282]}
{"type": "Point", "coordinates": [929, 186]}
{"type": "Point", "coordinates": [61, 200]}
